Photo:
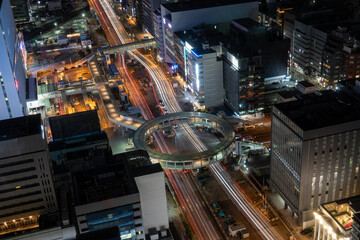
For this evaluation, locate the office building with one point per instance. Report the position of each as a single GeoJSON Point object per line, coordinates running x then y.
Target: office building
{"type": "Point", "coordinates": [149, 7]}
{"type": "Point", "coordinates": [255, 57]}
{"type": "Point", "coordinates": [351, 59]}
{"type": "Point", "coordinates": [200, 67]}
{"type": "Point", "coordinates": [26, 181]}
{"type": "Point", "coordinates": [314, 151]}
{"type": "Point", "coordinates": [182, 16]}
{"type": "Point", "coordinates": [150, 181]}
{"type": "Point", "coordinates": [77, 141]}
{"type": "Point", "coordinates": [20, 10]}
{"type": "Point", "coordinates": [12, 71]}
{"type": "Point", "coordinates": [107, 196]}
{"type": "Point", "coordinates": [157, 24]}
{"type": "Point", "coordinates": [337, 219]}
{"type": "Point", "coordinates": [243, 79]}
{"type": "Point", "coordinates": [310, 30]}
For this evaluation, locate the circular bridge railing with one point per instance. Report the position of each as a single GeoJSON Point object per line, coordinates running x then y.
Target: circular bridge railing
{"type": "Point", "coordinates": [189, 160]}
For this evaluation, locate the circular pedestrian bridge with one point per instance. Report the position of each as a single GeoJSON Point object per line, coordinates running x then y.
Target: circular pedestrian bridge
{"type": "Point", "coordinates": [187, 160]}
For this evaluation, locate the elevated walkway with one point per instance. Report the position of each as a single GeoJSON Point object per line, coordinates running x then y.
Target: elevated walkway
{"type": "Point", "coordinates": [113, 111]}
{"type": "Point", "coordinates": [129, 46]}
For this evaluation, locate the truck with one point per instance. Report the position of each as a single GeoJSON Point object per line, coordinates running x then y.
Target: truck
{"type": "Point", "coordinates": [113, 70]}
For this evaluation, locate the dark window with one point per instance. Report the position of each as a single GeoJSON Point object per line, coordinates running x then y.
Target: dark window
{"type": "Point", "coordinates": [21, 204]}
{"type": "Point", "coordinates": [18, 180]}
{"type": "Point", "coordinates": [16, 163]}
{"type": "Point", "coordinates": [19, 196]}
{"type": "Point", "coordinates": [17, 171]}
{"type": "Point", "coordinates": [23, 211]}
{"type": "Point", "coordinates": [21, 187]}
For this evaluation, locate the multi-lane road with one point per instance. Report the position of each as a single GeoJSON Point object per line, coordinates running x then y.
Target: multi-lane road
{"type": "Point", "coordinates": [203, 226]}
{"type": "Point", "coordinates": [200, 221]}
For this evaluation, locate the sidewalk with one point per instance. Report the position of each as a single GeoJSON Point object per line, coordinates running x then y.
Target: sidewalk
{"type": "Point", "coordinates": [277, 204]}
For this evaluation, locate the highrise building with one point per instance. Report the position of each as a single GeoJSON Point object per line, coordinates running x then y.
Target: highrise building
{"type": "Point", "coordinates": [315, 151]}
{"type": "Point", "coordinates": [20, 10]}
{"type": "Point", "coordinates": [180, 16]}
{"type": "Point", "coordinates": [12, 71]}
{"type": "Point", "coordinates": [26, 182]}
{"type": "Point", "coordinates": [200, 67]}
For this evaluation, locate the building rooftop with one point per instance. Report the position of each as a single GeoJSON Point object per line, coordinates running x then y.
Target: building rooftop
{"type": "Point", "coordinates": [289, 93]}
{"type": "Point", "coordinates": [139, 162]}
{"type": "Point", "coordinates": [20, 127]}
{"type": "Point", "coordinates": [137, 158]}
{"type": "Point", "coordinates": [106, 182]}
{"type": "Point", "coordinates": [88, 139]}
{"type": "Point", "coordinates": [72, 125]}
{"type": "Point", "coordinates": [110, 233]}
{"type": "Point", "coordinates": [247, 23]}
{"type": "Point", "coordinates": [306, 84]}
{"type": "Point", "coordinates": [199, 36]}
{"type": "Point", "coordinates": [147, 170]}
{"type": "Point", "coordinates": [340, 212]}
{"type": "Point", "coordinates": [200, 4]}
{"type": "Point", "coordinates": [313, 112]}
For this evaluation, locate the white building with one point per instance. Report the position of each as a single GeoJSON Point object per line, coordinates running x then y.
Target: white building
{"type": "Point", "coordinates": [180, 16]}
{"type": "Point", "coordinates": [201, 68]}
{"type": "Point", "coordinates": [12, 71]}
{"type": "Point", "coordinates": [314, 152]}
{"type": "Point", "coordinates": [26, 182]}
{"type": "Point", "coordinates": [150, 181]}
{"type": "Point", "coordinates": [335, 220]}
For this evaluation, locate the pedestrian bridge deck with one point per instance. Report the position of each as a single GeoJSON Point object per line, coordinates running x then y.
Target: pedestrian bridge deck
{"type": "Point", "coordinates": [129, 46]}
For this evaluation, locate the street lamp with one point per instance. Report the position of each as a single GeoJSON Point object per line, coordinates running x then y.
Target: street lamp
{"type": "Point", "coordinates": [83, 15]}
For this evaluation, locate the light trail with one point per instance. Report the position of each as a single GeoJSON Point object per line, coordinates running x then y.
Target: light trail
{"type": "Point", "coordinates": [167, 95]}
{"type": "Point", "coordinates": [196, 218]}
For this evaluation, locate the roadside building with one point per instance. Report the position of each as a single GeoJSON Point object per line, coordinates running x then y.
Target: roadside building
{"type": "Point", "coordinates": [62, 40]}
{"type": "Point", "coordinates": [314, 142]}
{"type": "Point", "coordinates": [200, 67]}
{"type": "Point", "coordinates": [26, 180]}
{"type": "Point", "coordinates": [180, 16]}
{"type": "Point", "coordinates": [337, 219]}
{"type": "Point", "coordinates": [20, 10]}
{"type": "Point", "coordinates": [85, 41]}
{"type": "Point", "coordinates": [12, 68]}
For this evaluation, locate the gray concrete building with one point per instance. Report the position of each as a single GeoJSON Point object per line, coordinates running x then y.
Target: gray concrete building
{"type": "Point", "coordinates": [180, 16]}
{"type": "Point", "coordinates": [26, 181]}
{"type": "Point", "coordinates": [315, 152]}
